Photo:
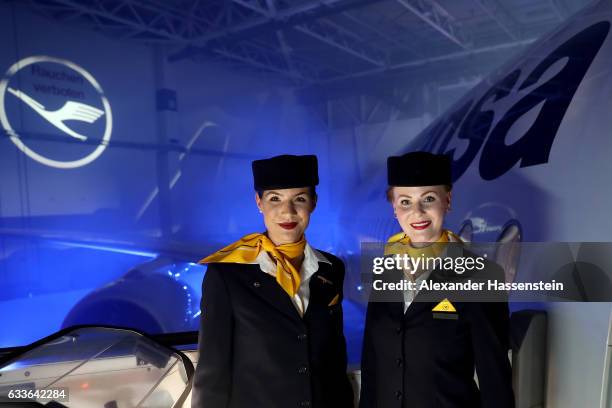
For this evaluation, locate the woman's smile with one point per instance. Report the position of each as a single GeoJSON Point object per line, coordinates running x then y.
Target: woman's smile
{"type": "Point", "coordinates": [420, 211]}
{"type": "Point", "coordinates": [286, 213]}
{"type": "Point", "coordinates": [420, 225]}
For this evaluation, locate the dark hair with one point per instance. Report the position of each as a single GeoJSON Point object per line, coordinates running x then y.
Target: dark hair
{"type": "Point", "coordinates": [389, 192]}
{"type": "Point", "coordinates": [312, 191]}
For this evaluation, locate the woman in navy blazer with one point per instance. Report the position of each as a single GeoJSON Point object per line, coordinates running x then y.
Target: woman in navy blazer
{"type": "Point", "coordinates": [420, 349]}
{"type": "Point", "coordinates": [271, 332]}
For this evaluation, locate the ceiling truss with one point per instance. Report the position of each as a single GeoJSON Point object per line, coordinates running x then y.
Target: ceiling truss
{"type": "Point", "coordinates": [436, 16]}
{"type": "Point", "coordinates": [307, 42]}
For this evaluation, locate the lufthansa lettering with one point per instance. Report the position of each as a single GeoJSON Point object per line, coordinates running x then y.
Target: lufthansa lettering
{"type": "Point", "coordinates": [549, 89]}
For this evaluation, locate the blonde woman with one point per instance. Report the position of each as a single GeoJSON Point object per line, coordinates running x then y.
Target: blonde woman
{"type": "Point", "coordinates": [422, 354]}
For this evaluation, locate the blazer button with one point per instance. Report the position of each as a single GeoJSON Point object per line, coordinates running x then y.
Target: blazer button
{"type": "Point", "coordinates": [305, 404]}
{"type": "Point", "coordinates": [398, 394]}
{"type": "Point", "coordinates": [256, 284]}
{"type": "Point", "coordinates": [302, 370]}
{"type": "Point", "coordinates": [399, 362]}
{"type": "Point", "coordinates": [302, 336]}
{"type": "Point", "coordinates": [398, 329]}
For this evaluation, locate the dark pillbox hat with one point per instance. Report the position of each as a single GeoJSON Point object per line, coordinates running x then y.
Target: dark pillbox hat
{"type": "Point", "coordinates": [418, 169]}
{"type": "Point", "coordinates": [286, 171]}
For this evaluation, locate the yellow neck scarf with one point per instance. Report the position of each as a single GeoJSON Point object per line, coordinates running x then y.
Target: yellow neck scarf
{"type": "Point", "coordinates": [400, 244]}
{"type": "Point", "coordinates": [247, 248]}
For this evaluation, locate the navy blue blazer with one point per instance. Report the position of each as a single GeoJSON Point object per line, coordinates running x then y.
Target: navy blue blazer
{"type": "Point", "coordinates": [257, 351]}
{"type": "Point", "coordinates": [424, 359]}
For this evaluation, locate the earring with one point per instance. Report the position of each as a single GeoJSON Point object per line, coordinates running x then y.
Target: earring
{"type": "Point", "coordinates": [261, 212]}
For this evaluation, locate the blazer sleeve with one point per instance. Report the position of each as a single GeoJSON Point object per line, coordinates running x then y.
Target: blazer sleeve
{"type": "Point", "coordinates": [212, 379]}
{"type": "Point", "coordinates": [491, 341]}
{"type": "Point", "coordinates": [368, 364]}
{"type": "Point", "coordinates": [490, 346]}
{"type": "Point", "coordinates": [347, 389]}
{"type": "Point", "coordinates": [343, 396]}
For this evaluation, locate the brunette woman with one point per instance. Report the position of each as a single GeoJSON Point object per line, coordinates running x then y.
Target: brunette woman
{"type": "Point", "coordinates": [271, 325]}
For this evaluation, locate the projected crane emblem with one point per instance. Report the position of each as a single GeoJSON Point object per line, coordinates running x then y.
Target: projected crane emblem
{"type": "Point", "coordinates": [84, 113]}
{"type": "Point", "coordinates": [70, 111]}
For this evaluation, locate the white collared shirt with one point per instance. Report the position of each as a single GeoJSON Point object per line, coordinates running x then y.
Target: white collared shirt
{"type": "Point", "coordinates": [409, 295]}
{"type": "Point", "coordinates": [310, 265]}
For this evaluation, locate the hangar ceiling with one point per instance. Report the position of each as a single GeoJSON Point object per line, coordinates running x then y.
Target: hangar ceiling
{"type": "Point", "coordinates": [321, 41]}
{"type": "Point", "coordinates": [352, 62]}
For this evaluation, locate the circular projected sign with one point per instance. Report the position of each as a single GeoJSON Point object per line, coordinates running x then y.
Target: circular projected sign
{"type": "Point", "coordinates": [61, 97]}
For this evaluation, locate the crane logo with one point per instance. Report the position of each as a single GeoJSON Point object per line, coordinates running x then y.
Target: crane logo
{"type": "Point", "coordinates": [70, 119]}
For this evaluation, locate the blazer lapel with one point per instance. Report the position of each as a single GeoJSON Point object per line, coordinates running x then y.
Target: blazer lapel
{"type": "Point", "coordinates": [396, 309]}
{"type": "Point", "coordinates": [265, 286]}
{"type": "Point", "coordinates": [394, 302]}
{"type": "Point", "coordinates": [423, 299]}
{"type": "Point", "coordinates": [323, 286]}
{"type": "Point", "coordinates": [427, 299]}
{"type": "Point", "coordinates": [415, 308]}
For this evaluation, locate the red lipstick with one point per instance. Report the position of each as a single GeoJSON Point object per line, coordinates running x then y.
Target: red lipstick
{"type": "Point", "coordinates": [420, 225]}
{"type": "Point", "coordinates": [288, 225]}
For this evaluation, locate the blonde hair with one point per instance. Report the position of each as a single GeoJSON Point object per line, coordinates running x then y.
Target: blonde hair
{"type": "Point", "coordinates": [389, 192]}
